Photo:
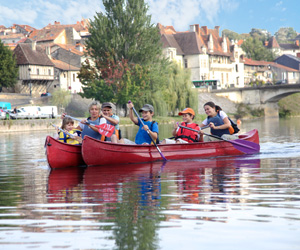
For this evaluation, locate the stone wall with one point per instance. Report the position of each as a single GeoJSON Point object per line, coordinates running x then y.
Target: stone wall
{"type": "Point", "coordinates": [8, 126]}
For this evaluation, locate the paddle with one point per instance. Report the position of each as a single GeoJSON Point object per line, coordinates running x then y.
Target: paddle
{"type": "Point", "coordinates": [137, 115]}
{"type": "Point", "coordinates": [72, 136]}
{"type": "Point", "coordinates": [246, 147]}
{"type": "Point", "coordinates": [103, 129]}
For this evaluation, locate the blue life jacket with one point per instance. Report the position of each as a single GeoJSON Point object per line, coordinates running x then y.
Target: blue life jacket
{"type": "Point", "coordinates": [217, 120]}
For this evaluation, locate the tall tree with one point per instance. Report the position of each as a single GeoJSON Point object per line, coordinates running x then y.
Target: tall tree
{"type": "Point", "coordinates": [125, 49]}
{"type": "Point", "coordinates": [255, 50]}
{"type": "Point", "coordinates": [8, 69]}
{"type": "Point", "coordinates": [285, 35]}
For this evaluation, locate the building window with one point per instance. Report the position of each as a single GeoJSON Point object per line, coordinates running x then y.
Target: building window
{"type": "Point", "coordinates": [186, 63]}
{"type": "Point", "coordinates": [49, 72]}
{"type": "Point", "coordinates": [236, 68]}
{"type": "Point", "coordinates": [37, 71]}
{"type": "Point", "coordinates": [74, 76]}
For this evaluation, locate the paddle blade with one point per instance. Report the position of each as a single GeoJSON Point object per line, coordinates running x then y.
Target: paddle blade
{"type": "Point", "coordinates": [247, 147]}
{"type": "Point", "coordinates": [106, 129]}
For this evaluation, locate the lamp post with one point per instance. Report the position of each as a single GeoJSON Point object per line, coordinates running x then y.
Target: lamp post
{"type": "Point", "coordinates": [29, 70]}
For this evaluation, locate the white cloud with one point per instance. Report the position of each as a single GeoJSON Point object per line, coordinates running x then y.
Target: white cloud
{"type": "Point", "coordinates": [39, 13]}
{"type": "Point", "coordinates": [182, 13]}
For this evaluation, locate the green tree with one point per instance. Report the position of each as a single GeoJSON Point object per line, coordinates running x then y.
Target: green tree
{"type": "Point", "coordinates": [8, 68]}
{"type": "Point", "coordinates": [262, 34]}
{"type": "Point", "coordinates": [231, 35]}
{"type": "Point", "coordinates": [255, 50]}
{"type": "Point", "coordinates": [61, 98]}
{"type": "Point", "coordinates": [125, 49]}
{"type": "Point", "coordinates": [285, 35]}
{"type": "Point", "coordinates": [180, 93]}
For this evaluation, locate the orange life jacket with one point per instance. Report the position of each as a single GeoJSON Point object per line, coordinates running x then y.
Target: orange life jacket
{"type": "Point", "coordinates": [186, 134]}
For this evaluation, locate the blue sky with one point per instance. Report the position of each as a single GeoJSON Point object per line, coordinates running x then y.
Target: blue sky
{"type": "Point", "coordinates": [236, 15]}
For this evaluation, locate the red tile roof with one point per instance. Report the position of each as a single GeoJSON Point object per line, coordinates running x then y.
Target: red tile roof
{"type": "Point", "coordinates": [64, 66]}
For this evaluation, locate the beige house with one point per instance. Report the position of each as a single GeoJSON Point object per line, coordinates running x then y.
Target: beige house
{"type": "Point", "coordinates": [213, 60]}
{"type": "Point", "coordinates": [36, 71]}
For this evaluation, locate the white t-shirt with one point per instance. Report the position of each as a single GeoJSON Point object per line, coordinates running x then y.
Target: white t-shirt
{"type": "Point", "coordinates": [102, 120]}
{"type": "Point", "coordinates": [222, 115]}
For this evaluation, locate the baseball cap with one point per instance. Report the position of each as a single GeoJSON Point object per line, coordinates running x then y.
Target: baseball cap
{"type": "Point", "coordinates": [187, 111]}
{"type": "Point", "coordinates": [106, 104]}
{"type": "Point", "coordinates": [147, 107]}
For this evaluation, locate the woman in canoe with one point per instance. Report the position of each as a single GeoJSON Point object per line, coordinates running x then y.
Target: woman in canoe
{"type": "Point", "coordinates": [218, 122]}
{"type": "Point", "coordinates": [95, 118]}
{"type": "Point", "coordinates": [183, 135]}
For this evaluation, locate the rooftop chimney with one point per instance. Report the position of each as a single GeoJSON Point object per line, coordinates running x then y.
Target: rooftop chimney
{"type": "Point", "coordinates": [205, 30]}
{"type": "Point", "coordinates": [33, 45]}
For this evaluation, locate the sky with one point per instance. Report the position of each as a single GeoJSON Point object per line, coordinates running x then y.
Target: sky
{"type": "Point", "coordinates": [236, 15]}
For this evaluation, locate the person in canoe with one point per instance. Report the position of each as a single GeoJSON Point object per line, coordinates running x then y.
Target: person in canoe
{"type": "Point", "coordinates": [112, 119]}
{"type": "Point", "coordinates": [183, 135]}
{"type": "Point", "coordinates": [218, 121]}
{"type": "Point", "coordinates": [68, 126]}
{"type": "Point", "coordinates": [95, 118]}
{"type": "Point", "coordinates": [142, 136]}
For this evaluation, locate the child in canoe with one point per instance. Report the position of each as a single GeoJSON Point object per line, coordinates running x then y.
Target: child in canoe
{"type": "Point", "coordinates": [68, 126]}
{"type": "Point", "coordinates": [219, 123]}
{"type": "Point", "coordinates": [183, 135]}
{"type": "Point", "coordinates": [142, 136]}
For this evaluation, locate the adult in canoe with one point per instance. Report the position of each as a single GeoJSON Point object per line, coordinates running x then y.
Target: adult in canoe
{"type": "Point", "coordinates": [218, 122]}
{"type": "Point", "coordinates": [183, 135]}
{"type": "Point", "coordinates": [112, 119]}
{"type": "Point", "coordinates": [95, 118]}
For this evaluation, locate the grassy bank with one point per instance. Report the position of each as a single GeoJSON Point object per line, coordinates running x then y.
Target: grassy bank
{"type": "Point", "coordinates": [289, 106]}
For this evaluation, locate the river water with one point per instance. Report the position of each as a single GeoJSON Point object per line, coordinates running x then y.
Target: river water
{"type": "Point", "coordinates": [250, 202]}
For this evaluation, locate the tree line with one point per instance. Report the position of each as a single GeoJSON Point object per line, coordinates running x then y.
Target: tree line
{"type": "Point", "coordinates": [126, 61]}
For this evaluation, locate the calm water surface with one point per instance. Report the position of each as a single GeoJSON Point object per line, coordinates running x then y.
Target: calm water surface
{"type": "Point", "coordinates": [223, 203]}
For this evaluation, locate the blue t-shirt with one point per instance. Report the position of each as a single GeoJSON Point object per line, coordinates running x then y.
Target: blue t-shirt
{"type": "Point", "coordinates": [142, 136]}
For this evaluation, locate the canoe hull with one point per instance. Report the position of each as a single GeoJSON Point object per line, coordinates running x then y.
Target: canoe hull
{"type": "Point", "coordinates": [61, 155]}
{"type": "Point", "coordinates": [96, 152]}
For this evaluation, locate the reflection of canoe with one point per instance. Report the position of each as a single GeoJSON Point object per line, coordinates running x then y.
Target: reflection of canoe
{"type": "Point", "coordinates": [64, 178]}
{"type": "Point", "coordinates": [96, 152]}
{"type": "Point", "coordinates": [60, 155]}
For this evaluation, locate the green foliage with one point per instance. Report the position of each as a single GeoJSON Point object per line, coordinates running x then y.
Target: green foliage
{"type": "Point", "coordinates": [8, 68]}
{"type": "Point", "coordinates": [255, 50]}
{"type": "Point", "coordinates": [231, 35]}
{"type": "Point", "coordinates": [244, 110]}
{"type": "Point", "coordinates": [289, 106]}
{"type": "Point", "coordinates": [285, 35]}
{"type": "Point", "coordinates": [262, 34]}
{"type": "Point", "coordinates": [127, 56]}
{"type": "Point", "coordinates": [179, 94]}
{"type": "Point", "coordinates": [61, 98]}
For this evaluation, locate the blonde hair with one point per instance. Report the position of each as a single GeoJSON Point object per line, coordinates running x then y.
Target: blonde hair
{"type": "Point", "coordinates": [95, 103]}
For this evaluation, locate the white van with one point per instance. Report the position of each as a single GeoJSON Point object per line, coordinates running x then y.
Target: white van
{"type": "Point", "coordinates": [32, 111]}
{"type": "Point", "coordinates": [49, 111]}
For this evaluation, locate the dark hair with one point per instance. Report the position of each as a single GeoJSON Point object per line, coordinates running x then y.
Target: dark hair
{"type": "Point", "coordinates": [211, 104]}
{"type": "Point", "coordinates": [66, 121]}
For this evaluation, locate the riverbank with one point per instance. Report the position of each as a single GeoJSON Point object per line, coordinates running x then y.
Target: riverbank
{"type": "Point", "coordinates": [8, 126]}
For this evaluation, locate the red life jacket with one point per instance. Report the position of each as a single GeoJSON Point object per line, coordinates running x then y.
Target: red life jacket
{"type": "Point", "coordinates": [186, 134]}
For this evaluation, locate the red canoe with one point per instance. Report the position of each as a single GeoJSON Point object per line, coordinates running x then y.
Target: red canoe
{"type": "Point", "coordinates": [61, 155]}
{"type": "Point", "coordinates": [95, 152]}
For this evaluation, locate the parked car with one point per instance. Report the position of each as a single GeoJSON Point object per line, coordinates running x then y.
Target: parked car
{"type": "Point", "coordinates": [20, 114]}
{"type": "Point", "coordinates": [46, 94]}
{"type": "Point", "coordinates": [281, 82]}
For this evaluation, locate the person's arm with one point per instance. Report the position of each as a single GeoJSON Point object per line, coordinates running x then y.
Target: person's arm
{"type": "Point", "coordinates": [154, 133]}
{"type": "Point", "coordinates": [132, 118]}
{"type": "Point", "coordinates": [111, 119]}
{"type": "Point", "coordinates": [174, 131]}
